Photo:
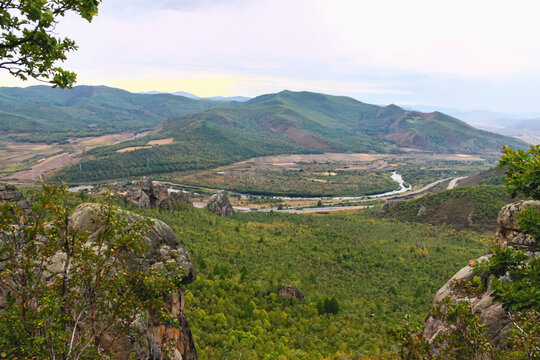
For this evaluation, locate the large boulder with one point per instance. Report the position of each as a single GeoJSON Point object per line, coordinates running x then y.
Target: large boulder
{"type": "Point", "coordinates": [219, 204]}
{"type": "Point", "coordinates": [289, 292]}
{"type": "Point", "coordinates": [150, 334]}
{"type": "Point", "coordinates": [164, 247]}
{"type": "Point", "coordinates": [146, 194]}
{"type": "Point", "coordinates": [496, 319]}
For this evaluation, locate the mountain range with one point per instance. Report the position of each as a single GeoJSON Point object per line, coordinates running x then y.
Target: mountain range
{"type": "Point", "coordinates": [88, 110]}
{"type": "Point", "coordinates": [285, 122]}
{"type": "Point", "coordinates": [524, 126]}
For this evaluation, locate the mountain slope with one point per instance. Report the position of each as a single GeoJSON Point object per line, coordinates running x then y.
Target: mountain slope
{"type": "Point", "coordinates": [88, 110]}
{"type": "Point", "coordinates": [286, 122]}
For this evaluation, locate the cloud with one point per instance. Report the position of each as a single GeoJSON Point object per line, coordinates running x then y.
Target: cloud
{"type": "Point", "coordinates": [420, 51]}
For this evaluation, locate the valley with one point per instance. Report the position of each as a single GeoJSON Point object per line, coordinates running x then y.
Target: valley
{"type": "Point", "coordinates": [368, 208]}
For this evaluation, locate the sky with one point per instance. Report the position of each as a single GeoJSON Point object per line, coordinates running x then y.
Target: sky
{"type": "Point", "coordinates": [456, 54]}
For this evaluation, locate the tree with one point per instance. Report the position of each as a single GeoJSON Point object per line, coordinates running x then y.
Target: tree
{"type": "Point", "coordinates": [67, 295]}
{"type": "Point", "coordinates": [523, 176]}
{"type": "Point", "coordinates": [523, 173]}
{"type": "Point", "coordinates": [29, 48]}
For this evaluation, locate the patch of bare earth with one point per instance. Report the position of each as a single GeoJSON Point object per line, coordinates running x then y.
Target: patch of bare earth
{"type": "Point", "coordinates": [298, 136]}
{"type": "Point", "coordinates": [58, 156]}
{"type": "Point", "coordinates": [148, 145]}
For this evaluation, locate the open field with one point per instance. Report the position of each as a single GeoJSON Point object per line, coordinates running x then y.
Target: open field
{"type": "Point", "coordinates": [30, 161]}
{"type": "Point", "coordinates": [147, 146]}
{"type": "Point", "coordinates": [332, 174]}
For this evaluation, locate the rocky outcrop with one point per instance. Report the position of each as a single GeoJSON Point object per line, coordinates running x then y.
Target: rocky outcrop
{"type": "Point", "coordinates": [146, 194]}
{"type": "Point", "coordinates": [421, 211]}
{"type": "Point", "coordinates": [219, 204]}
{"type": "Point", "coordinates": [508, 234]}
{"type": "Point", "coordinates": [150, 335]}
{"type": "Point", "coordinates": [163, 248]}
{"type": "Point", "coordinates": [496, 319]}
{"type": "Point", "coordinates": [289, 292]}
{"type": "Point", "coordinates": [9, 193]}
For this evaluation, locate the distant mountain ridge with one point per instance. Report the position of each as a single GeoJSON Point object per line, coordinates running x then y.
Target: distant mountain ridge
{"type": "Point", "coordinates": [193, 96]}
{"type": "Point", "coordinates": [287, 122]}
{"type": "Point", "coordinates": [89, 110]}
{"type": "Point", "coordinates": [524, 126]}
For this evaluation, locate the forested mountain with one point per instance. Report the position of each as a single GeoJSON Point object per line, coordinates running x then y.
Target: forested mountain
{"type": "Point", "coordinates": [52, 113]}
{"type": "Point", "coordinates": [286, 122]}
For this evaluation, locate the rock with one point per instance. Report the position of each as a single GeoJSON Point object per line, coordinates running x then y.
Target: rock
{"type": "Point", "coordinates": [219, 204]}
{"type": "Point", "coordinates": [496, 319]}
{"type": "Point", "coordinates": [146, 194]}
{"type": "Point", "coordinates": [470, 220]}
{"type": "Point", "coordinates": [150, 335]}
{"type": "Point", "coordinates": [175, 198]}
{"type": "Point", "coordinates": [164, 244]}
{"type": "Point", "coordinates": [289, 292]}
{"type": "Point", "coordinates": [508, 234]}
{"type": "Point", "coordinates": [421, 211]}
{"type": "Point", "coordinates": [9, 193]}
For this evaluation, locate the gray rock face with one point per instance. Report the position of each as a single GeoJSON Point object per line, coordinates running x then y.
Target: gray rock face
{"type": "Point", "coordinates": [164, 247]}
{"type": "Point", "coordinates": [146, 342]}
{"type": "Point", "coordinates": [146, 194]}
{"type": "Point", "coordinates": [9, 193]}
{"type": "Point", "coordinates": [421, 211]}
{"type": "Point", "coordinates": [496, 319]}
{"type": "Point", "coordinates": [492, 313]}
{"type": "Point", "coordinates": [508, 234]}
{"type": "Point", "coordinates": [219, 204]}
{"type": "Point", "coordinates": [289, 292]}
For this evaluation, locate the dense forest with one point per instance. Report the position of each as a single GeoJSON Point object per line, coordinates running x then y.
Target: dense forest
{"type": "Point", "coordinates": [376, 270]}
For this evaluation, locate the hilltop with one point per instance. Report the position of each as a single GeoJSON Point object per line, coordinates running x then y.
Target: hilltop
{"type": "Point", "coordinates": [53, 114]}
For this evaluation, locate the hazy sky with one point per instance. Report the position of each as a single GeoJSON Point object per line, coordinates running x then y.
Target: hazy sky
{"type": "Point", "coordinates": [465, 54]}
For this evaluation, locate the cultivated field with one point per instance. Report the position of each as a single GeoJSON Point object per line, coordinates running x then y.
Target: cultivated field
{"type": "Point", "coordinates": [30, 161]}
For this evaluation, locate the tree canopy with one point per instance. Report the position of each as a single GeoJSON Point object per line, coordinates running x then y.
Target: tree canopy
{"type": "Point", "coordinates": [523, 174]}
{"type": "Point", "coordinates": [29, 46]}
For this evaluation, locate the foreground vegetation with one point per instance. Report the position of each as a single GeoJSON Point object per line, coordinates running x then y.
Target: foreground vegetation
{"type": "Point", "coordinates": [378, 271]}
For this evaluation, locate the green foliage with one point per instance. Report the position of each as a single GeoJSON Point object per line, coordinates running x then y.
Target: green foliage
{"type": "Point", "coordinates": [410, 337]}
{"type": "Point", "coordinates": [523, 171]}
{"type": "Point", "coordinates": [453, 207]}
{"type": "Point", "coordinates": [523, 289]}
{"type": "Point", "coordinates": [463, 339]}
{"type": "Point", "coordinates": [354, 259]}
{"type": "Point", "coordinates": [29, 46]}
{"type": "Point", "coordinates": [63, 292]}
{"type": "Point", "coordinates": [529, 221]}
{"type": "Point", "coordinates": [525, 336]}
{"type": "Point", "coordinates": [520, 288]}
{"type": "Point", "coordinates": [328, 306]}
{"type": "Point", "coordinates": [53, 115]}
{"type": "Point", "coordinates": [466, 338]}
{"type": "Point", "coordinates": [502, 260]}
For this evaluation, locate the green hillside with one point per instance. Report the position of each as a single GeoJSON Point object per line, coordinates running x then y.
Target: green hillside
{"type": "Point", "coordinates": [286, 122]}
{"type": "Point", "coordinates": [378, 271]}
{"type": "Point", "coordinates": [473, 207]}
{"type": "Point", "coordinates": [54, 114]}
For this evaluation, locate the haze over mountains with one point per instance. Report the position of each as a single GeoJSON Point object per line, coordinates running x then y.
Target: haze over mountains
{"type": "Point", "coordinates": [193, 96]}
{"type": "Point", "coordinates": [525, 126]}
